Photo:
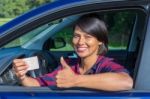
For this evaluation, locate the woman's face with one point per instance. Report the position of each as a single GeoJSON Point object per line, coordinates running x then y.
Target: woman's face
{"type": "Point", "coordinates": [84, 44]}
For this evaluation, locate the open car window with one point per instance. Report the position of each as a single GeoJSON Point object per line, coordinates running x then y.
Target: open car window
{"type": "Point", "coordinates": [120, 25]}
{"type": "Point", "coordinates": [43, 39]}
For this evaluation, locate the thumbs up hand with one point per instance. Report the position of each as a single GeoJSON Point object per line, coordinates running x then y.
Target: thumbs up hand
{"type": "Point", "coordinates": [66, 78]}
{"type": "Point", "coordinates": [64, 64]}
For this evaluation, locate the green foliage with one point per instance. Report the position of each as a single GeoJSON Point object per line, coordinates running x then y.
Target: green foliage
{"type": "Point", "coordinates": [66, 33]}
{"type": "Point", "coordinates": [120, 26]}
{"type": "Point", "coordinates": [13, 8]}
{"type": "Point", "coordinates": [123, 22]}
{"type": "Point", "coordinates": [4, 20]}
{"type": "Point", "coordinates": [36, 3]}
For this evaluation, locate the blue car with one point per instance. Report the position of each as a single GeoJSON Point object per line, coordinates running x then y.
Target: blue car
{"type": "Point", "coordinates": [46, 32]}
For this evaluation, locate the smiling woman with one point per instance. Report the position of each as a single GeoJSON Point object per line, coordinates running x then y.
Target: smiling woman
{"type": "Point", "coordinates": [90, 44]}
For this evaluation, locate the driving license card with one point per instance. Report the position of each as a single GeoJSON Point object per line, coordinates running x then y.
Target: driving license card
{"type": "Point", "coordinates": [32, 62]}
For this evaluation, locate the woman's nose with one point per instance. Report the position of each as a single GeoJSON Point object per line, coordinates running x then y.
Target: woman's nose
{"type": "Point", "coordinates": [81, 41]}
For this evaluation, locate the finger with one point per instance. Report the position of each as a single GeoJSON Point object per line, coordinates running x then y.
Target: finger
{"type": "Point", "coordinates": [60, 76]}
{"type": "Point", "coordinates": [63, 63]}
{"type": "Point", "coordinates": [17, 60]}
{"type": "Point", "coordinates": [20, 68]}
{"type": "Point", "coordinates": [60, 83]}
{"type": "Point", "coordinates": [57, 77]}
{"type": "Point", "coordinates": [20, 64]}
{"type": "Point", "coordinates": [21, 74]}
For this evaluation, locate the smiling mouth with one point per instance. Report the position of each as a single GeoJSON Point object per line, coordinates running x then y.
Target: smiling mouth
{"type": "Point", "coordinates": [81, 49]}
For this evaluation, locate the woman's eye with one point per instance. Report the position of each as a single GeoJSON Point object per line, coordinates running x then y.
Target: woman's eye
{"type": "Point", "coordinates": [88, 36]}
{"type": "Point", "coordinates": [75, 36]}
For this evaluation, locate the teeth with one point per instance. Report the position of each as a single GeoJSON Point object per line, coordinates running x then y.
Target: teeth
{"type": "Point", "coordinates": [81, 49]}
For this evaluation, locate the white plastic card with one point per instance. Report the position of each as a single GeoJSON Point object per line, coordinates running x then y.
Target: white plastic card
{"type": "Point", "coordinates": [32, 62]}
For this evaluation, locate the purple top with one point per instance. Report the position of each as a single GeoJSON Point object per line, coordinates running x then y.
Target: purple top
{"type": "Point", "coordinates": [102, 65]}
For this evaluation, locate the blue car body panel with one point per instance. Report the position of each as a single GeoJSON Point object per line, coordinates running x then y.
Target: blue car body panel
{"type": "Point", "coordinates": [74, 95]}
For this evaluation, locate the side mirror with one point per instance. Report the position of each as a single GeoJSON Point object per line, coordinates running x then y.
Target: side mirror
{"type": "Point", "coordinates": [59, 42]}
{"type": "Point", "coordinates": [54, 43]}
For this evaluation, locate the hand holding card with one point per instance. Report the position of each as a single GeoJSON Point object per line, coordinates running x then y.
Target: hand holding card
{"type": "Point", "coordinates": [32, 62]}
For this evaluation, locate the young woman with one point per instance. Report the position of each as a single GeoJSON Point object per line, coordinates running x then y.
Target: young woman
{"type": "Point", "coordinates": [92, 70]}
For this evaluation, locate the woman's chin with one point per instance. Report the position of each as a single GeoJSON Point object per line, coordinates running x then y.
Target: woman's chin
{"type": "Point", "coordinates": [81, 55]}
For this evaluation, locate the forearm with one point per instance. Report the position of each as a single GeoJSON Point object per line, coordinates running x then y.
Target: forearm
{"type": "Point", "coordinates": [105, 81]}
{"type": "Point", "coordinates": [29, 81]}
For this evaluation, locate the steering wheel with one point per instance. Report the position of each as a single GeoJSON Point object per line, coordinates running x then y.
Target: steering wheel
{"type": "Point", "coordinates": [47, 63]}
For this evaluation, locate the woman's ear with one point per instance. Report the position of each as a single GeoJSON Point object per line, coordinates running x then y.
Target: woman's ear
{"type": "Point", "coordinates": [100, 43]}
{"type": "Point", "coordinates": [102, 48]}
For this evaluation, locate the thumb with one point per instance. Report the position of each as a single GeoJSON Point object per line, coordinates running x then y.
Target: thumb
{"type": "Point", "coordinates": [63, 63]}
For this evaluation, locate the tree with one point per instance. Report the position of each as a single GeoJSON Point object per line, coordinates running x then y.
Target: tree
{"type": "Point", "coordinates": [13, 8]}
{"type": "Point", "coordinates": [36, 3]}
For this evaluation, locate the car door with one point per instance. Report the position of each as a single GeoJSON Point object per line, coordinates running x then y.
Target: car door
{"type": "Point", "coordinates": [126, 49]}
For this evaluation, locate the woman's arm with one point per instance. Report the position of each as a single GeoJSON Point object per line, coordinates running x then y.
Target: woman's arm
{"type": "Point", "coordinates": [29, 81]}
{"type": "Point", "coordinates": [109, 81]}
{"type": "Point", "coordinates": [105, 81]}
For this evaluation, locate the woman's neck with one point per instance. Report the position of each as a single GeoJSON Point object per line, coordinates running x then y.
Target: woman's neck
{"type": "Point", "coordinates": [87, 63]}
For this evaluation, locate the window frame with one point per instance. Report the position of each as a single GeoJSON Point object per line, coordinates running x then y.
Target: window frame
{"type": "Point", "coordinates": [42, 19]}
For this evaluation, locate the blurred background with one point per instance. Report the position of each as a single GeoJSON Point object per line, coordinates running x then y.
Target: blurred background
{"type": "Point", "coordinates": [10, 9]}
